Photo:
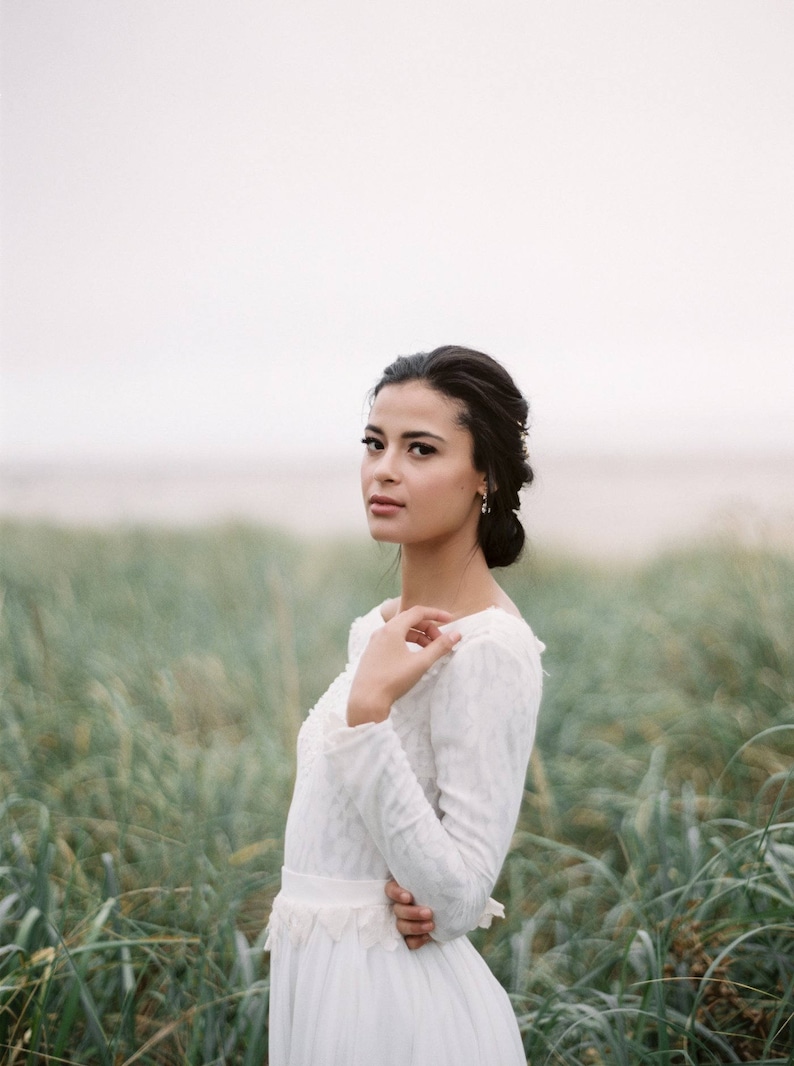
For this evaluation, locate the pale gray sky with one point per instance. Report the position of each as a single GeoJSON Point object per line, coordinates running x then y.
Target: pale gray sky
{"type": "Point", "coordinates": [221, 218]}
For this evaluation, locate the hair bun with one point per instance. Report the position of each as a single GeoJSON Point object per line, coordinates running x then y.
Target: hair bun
{"type": "Point", "coordinates": [502, 537]}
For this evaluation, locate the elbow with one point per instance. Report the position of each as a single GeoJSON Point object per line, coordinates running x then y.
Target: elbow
{"type": "Point", "coordinates": [444, 933]}
{"type": "Point", "coordinates": [460, 915]}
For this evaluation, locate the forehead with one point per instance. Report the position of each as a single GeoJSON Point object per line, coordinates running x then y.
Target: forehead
{"type": "Point", "coordinates": [415, 406]}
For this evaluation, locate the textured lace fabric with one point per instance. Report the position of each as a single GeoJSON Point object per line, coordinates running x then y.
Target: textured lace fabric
{"type": "Point", "coordinates": [374, 924]}
{"type": "Point", "coordinates": [431, 795]}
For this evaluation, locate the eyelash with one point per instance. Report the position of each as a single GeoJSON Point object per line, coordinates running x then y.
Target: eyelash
{"type": "Point", "coordinates": [428, 448]}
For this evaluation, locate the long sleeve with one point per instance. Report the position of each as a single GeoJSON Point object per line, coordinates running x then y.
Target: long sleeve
{"type": "Point", "coordinates": [483, 707]}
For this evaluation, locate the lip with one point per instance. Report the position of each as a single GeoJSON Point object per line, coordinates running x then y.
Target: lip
{"type": "Point", "coordinates": [384, 505]}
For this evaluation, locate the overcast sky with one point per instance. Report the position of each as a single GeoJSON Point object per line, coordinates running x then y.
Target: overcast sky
{"type": "Point", "coordinates": [222, 218]}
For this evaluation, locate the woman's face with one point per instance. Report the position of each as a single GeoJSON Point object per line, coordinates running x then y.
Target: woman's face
{"type": "Point", "coordinates": [417, 476]}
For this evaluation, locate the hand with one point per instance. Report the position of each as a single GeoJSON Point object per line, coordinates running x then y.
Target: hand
{"type": "Point", "coordinates": [414, 923]}
{"type": "Point", "coordinates": [389, 668]}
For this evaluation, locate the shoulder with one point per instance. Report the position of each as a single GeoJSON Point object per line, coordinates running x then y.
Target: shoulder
{"type": "Point", "coordinates": [492, 681]}
{"type": "Point", "coordinates": [362, 629]}
{"type": "Point", "coordinates": [498, 627]}
{"type": "Point", "coordinates": [499, 647]}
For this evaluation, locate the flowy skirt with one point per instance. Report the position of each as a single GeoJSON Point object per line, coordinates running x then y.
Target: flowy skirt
{"type": "Point", "coordinates": [346, 991]}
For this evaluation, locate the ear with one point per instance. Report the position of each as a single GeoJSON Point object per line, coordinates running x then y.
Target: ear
{"type": "Point", "coordinates": [487, 484]}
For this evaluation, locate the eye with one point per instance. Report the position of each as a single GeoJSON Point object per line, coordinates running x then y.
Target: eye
{"type": "Point", "coordinates": [372, 443]}
{"type": "Point", "coordinates": [422, 448]}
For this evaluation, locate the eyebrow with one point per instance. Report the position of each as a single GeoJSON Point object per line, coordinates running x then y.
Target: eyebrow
{"type": "Point", "coordinates": [410, 434]}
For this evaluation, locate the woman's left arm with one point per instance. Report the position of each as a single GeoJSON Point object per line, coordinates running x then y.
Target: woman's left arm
{"type": "Point", "coordinates": [483, 709]}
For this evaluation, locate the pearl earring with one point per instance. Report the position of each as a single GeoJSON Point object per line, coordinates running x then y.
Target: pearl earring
{"type": "Point", "coordinates": [485, 509]}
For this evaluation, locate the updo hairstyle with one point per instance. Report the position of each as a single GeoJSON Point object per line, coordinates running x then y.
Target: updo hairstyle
{"type": "Point", "coordinates": [493, 410]}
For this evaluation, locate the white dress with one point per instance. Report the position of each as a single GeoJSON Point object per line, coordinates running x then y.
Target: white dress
{"type": "Point", "coordinates": [430, 796]}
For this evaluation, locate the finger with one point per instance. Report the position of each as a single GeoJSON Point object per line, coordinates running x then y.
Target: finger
{"type": "Point", "coordinates": [416, 942]}
{"type": "Point", "coordinates": [429, 629]}
{"type": "Point", "coordinates": [397, 893]}
{"type": "Point", "coordinates": [416, 636]}
{"type": "Point", "coordinates": [439, 647]}
{"type": "Point", "coordinates": [428, 634]}
{"type": "Point", "coordinates": [414, 928]}
{"type": "Point", "coordinates": [412, 913]}
{"type": "Point", "coordinates": [420, 617]}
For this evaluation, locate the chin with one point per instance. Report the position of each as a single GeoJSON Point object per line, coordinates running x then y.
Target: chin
{"type": "Point", "coordinates": [384, 536]}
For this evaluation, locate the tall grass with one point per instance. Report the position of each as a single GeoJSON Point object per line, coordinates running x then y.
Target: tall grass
{"type": "Point", "coordinates": [152, 686]}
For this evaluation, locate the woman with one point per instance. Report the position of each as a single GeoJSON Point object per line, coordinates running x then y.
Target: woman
{"type": "Point", "coordinates": [411, 767]}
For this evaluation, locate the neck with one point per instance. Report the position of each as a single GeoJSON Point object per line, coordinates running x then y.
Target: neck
{"type": "Point", "coordinates": [456, 580]}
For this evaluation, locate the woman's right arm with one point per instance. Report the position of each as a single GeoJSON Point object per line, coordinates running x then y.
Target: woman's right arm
{"type": "Point", "coordinates": [482, 719]}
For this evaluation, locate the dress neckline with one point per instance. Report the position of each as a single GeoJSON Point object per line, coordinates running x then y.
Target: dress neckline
{"type": "Point", "coordinates": [464, 617]}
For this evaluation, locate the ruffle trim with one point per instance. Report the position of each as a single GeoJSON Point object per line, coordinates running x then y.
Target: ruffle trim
{"type": "Point", "coordinates": [493, 909]}
{"type": "Point", "coordinates": [375, 924]}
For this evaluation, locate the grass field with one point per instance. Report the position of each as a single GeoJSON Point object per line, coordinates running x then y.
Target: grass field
{"type": "Point", "coordinates": [153, 683]}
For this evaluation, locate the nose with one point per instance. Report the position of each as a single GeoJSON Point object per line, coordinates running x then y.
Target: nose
{"type": "Point", "coordinates": [385, 469]}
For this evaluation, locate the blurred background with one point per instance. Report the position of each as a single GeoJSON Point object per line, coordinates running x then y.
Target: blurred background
{"type": "Point", "coordinates": [220, 221]}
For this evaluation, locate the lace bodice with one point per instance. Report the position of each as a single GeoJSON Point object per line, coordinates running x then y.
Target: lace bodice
{"type": "Point", "coordinates": [431, 795]}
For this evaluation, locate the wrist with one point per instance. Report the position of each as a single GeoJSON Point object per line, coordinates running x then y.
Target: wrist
{"type": "Point", "coordinates": [361, 712]}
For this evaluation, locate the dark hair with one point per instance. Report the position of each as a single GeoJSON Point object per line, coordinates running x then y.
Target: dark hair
{"type": "Point", "coordinates": [495, 413]}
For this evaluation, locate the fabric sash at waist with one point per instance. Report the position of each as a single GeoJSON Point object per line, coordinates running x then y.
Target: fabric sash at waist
{"type": "Point", "coordinates": [321, 892]}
